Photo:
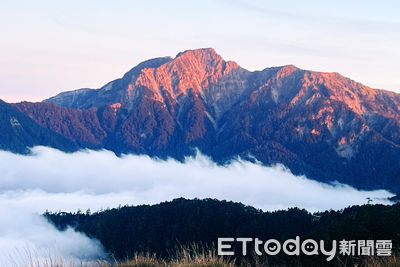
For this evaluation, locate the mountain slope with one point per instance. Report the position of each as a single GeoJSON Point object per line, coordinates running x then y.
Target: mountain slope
{"type": "Point", "coordinates": [319, 124]}
{"type": "Point", "coordinates": [79, 125]}
{"type": "Point", "coordinates": [19, 132]}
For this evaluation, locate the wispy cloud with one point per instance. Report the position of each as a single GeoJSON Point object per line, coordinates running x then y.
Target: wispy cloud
{"type": "Point", "coordinates": [316, 18]}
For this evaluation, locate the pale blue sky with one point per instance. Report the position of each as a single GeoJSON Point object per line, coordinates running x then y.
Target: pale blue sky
{"type": "Point", "coordinates": [52, 46]}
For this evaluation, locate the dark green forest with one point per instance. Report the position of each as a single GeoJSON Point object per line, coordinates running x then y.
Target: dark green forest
{"type": "Point", "coordinates": [163, 227]}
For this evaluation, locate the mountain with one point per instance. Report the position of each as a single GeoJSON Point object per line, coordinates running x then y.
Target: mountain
{"type": "Point", "coordinates": [19, 132]}
{"type": "Point", "coordinates": [323, 125]}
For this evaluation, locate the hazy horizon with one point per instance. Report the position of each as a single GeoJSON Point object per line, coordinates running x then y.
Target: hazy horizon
{"type": "Point", "coordinates": [49, 47]}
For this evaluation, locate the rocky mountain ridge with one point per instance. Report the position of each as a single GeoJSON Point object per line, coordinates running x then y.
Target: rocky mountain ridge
{"type": "Point", "coordinates": [323, 125]}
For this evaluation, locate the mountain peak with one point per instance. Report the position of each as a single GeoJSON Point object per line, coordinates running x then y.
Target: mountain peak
{"type": "Point", "coordinates": [166, 107]}
{"type": "Point", "coordinates": [191, 69]}
{"type": "Point", "coordinates": [206, 59]}
{"type": "Point", "coordinates": [286, 70]}
{"type": "Point", "coordinates": [203, 58]}
{"type": "Point", "coordinates": [200, 54]}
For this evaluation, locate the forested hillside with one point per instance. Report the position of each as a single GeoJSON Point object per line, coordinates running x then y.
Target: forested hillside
{"type": "Point", "coordinates": [162, 228]}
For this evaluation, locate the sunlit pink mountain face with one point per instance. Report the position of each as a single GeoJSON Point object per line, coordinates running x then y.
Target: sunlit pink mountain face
{"type": "Point", "coordinates": [323, 125]}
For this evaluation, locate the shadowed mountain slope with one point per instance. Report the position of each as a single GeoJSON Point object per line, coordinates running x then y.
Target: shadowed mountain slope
{"type": "Point", "coordinates": [19, 132]}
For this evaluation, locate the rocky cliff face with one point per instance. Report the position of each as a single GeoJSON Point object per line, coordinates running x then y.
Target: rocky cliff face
{"type": "Point", "coordinates": [319, 124]}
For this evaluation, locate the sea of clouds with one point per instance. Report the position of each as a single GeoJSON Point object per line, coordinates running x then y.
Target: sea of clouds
{"type": "Point", "coordinates": [52, 180]}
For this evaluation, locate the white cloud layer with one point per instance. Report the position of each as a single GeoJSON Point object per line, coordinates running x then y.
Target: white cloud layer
{"type": "Point", "coordinates": [53, 180]}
